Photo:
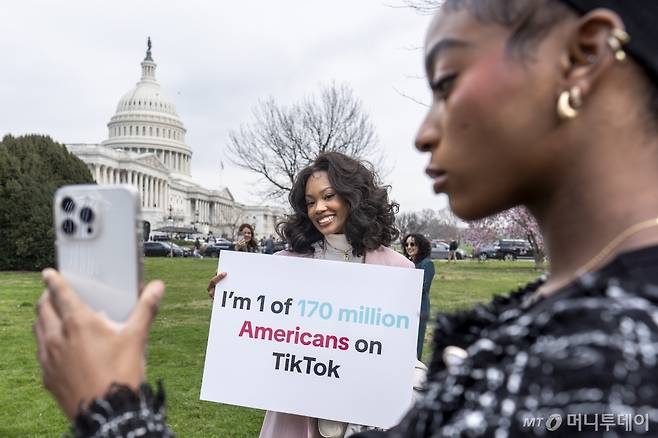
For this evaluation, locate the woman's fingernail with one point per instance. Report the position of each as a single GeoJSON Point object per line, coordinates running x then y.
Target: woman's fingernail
{"type": "Point", "coordinates": [47, 273]}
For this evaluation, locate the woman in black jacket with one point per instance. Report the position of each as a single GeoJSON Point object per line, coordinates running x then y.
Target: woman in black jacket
{"type": "Point", "coordinates": [418, 249]}
{"type": "Point", "coordinates": [552, 105]}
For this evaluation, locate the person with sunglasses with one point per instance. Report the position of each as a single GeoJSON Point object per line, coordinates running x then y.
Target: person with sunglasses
{"type": "Point", "coordinates": [418, 249]}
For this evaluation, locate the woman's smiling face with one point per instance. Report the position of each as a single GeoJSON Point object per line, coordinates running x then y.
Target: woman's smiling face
{"type": "Point", "coordinates": [247, 234]}
{"type": "Point", "coordinates": [411, 247]}
{"type": "Point", "coordinates": [324, 206]}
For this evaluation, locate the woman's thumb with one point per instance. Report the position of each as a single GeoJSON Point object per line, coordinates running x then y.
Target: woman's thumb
{"type": "Point", "coordinates": [146, 308]}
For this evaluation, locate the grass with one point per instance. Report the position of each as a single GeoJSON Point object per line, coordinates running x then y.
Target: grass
{"type": "Point", "coordinates": [178, 343]}
{"type": "Point", "coordinates": [461, 285]}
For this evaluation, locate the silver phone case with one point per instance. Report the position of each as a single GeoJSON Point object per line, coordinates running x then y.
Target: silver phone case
{"type": "Point", "coordinates": [102, 259]}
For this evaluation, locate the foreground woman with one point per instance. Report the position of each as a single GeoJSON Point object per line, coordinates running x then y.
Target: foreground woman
{"type": "Point", "coordinates": [551, 104]}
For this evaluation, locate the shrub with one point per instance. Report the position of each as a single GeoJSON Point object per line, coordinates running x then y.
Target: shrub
{"type": "Point", "coordinates": [32, 167]}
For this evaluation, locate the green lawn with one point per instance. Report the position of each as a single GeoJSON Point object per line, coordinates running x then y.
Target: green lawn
{"type": "Point", "coordinates": [461, 285]}
{"type": "Point", "coordinates": [178, 344]}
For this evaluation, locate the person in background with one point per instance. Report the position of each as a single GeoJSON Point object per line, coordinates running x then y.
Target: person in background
{"type": "Point", "coordinates": [452, 250]}
{"type": "Point", "coordinates": [269, 245]}
{"type": "Point", "coordinates": [197, 248]}
{"type": "Point", "coordinates": [418, 249]}
{"type": "Point", "coordinates": [248, 241]}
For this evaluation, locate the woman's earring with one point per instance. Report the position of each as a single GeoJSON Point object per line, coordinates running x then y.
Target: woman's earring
{"type": "Point", "coordinates": [568, 103]}
{"type": "Point", "coordinates": [616, 40]}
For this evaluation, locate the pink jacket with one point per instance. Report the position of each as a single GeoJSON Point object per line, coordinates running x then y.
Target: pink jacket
{"type": "Point", "coordinates": [281, 425]}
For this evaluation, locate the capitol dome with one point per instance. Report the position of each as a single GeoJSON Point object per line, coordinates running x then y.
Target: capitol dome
{"type": "Point", "coordinates": [146, 121]}
{"type": "Point", "coordinates": [147, 96]}
{"type": "Point", "coordinates": [146, 149]}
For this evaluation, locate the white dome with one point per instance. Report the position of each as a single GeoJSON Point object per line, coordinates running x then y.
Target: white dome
{"type": "Point", "coordinates": [146, 96]}
{"type": "Point", "coordinates": [146, 121]}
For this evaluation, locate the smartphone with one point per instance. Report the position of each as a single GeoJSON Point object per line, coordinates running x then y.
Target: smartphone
{"type": "Point", "coordinates": [98, 245]}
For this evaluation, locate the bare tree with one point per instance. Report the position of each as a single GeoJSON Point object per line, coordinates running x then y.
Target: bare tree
{"type": "Point", "coordinates": [230, 220]}
{"type": "Point", "coordinates": [430, 223]}
{"type": "Point", "coordinates": [407, 222]}
{"type": "Point", "coordinates": [424, 7]}
{"type": "Point", "coordinates": [281, 140]}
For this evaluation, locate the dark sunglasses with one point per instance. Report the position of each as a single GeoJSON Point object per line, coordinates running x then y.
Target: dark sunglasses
{"type": "Point", "coordinates": [410, 244]}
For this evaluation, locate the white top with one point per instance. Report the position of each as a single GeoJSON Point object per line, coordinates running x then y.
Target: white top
{"type": "Point", "coordinates": [335, 247]}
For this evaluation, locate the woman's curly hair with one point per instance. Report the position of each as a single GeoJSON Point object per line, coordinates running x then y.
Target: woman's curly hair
{"type": "Point", "coordinates": [371, 216]}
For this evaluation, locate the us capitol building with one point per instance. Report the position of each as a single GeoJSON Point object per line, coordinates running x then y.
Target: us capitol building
{"type": "Point", "coordinates": [146, 148]}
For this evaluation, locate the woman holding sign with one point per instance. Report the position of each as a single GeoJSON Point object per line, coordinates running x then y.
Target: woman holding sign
{"type": "Point", "coordinates": [341, 213]}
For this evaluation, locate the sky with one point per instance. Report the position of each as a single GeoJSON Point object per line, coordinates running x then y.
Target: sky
{"type": "Point", "coordinates": [67, 63]}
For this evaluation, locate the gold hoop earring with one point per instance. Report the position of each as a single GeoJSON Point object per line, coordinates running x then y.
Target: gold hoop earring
{"type": "Point", "coordinates": [616, 40]}
{"type": "Point", "coordinates": [568, 103]}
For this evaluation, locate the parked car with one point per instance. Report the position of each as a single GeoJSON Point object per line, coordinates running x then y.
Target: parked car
{"type": "Point", "coordinates": [213, 249]}
{"type": "Point", "coordinates": [162, 249]}
{"type": "Point", "coordinates": [279, 245]}
{"type": "Point", "coordinates": [187, 251]}
{"type": "Point", "coordinates": [194, 237]}
{"type": "Point", "coordinates": [505, 249]}
{"type": "Point", "coordinates": [512, 249]}
{"type": "Point", "coordinates": [440, 251]}
{"type": "Point", "coordinates": [160, 237]}
{"type": "Point", "coordinates": [485, 252]}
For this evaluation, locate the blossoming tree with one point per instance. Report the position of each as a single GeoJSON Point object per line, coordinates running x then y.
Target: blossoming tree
{"type": "Point", "coordinates": [516, 223]}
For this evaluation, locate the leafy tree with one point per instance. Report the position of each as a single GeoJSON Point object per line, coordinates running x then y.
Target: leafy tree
{"type": "Point", "coordinates": [281, 140]}
{"type": "Point", "coordinates": [32, 167]}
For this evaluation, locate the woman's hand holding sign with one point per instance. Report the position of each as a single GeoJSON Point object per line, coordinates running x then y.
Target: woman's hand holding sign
{"type": "Point", "coordinates": [213, 282]}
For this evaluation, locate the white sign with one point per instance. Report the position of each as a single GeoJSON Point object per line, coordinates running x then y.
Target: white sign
{"type": "Point", "coordinates": [319, 338]}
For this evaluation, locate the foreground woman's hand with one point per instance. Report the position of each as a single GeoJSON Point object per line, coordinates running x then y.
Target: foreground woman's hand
{"type": "Point", "coordinates": [81, 352]}
{"type": "Point", "coordinates": [213, 282]}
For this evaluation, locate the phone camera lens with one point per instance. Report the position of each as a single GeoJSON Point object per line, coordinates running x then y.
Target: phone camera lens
{"type": "Point", "coordinates": [68, 226]}
{"type": "Point", "coordinates": [68, 205]}
{"type": "Point", "coordinates": [86, 215]}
